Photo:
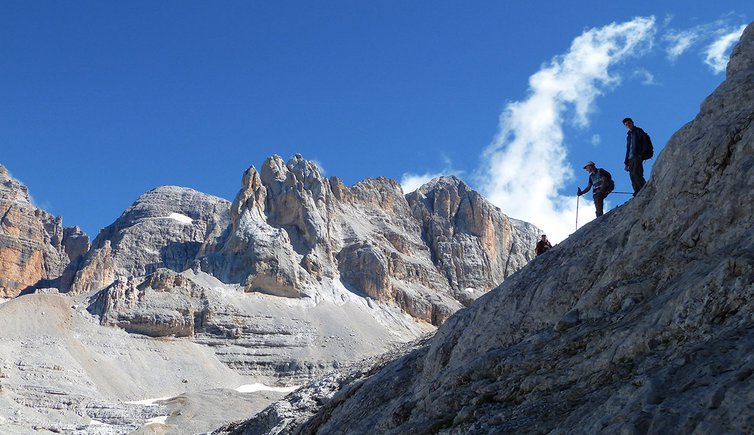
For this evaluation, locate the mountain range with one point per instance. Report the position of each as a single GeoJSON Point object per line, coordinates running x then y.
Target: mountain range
{"type": "Point", "coordinates": [299, 275]}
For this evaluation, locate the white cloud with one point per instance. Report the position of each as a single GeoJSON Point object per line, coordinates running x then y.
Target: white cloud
{"type": "Point", "coordinates": [716, 54]}
{"type": "Point", "coordinates": [680, 41]}
{"type": "Point", "coordinates": [716, 37]}
{"type": "Point", "coordinates": [411, 181]}
{"type": "Point", "coordinates": [525, 165]}
{"type": "Point", "coordinates": [596, 140]}
{"type": "Point", "coordinates": [646, 77]}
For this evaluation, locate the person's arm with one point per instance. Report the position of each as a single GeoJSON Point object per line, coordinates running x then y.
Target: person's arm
{"type": "Point", "coordinates": [588, 186]}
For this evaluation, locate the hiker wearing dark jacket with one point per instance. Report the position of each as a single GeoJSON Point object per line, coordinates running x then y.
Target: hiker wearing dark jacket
{"type": "Point", "coordinates": [542, 245]}
{"type": "Point", "coordinates": [599, 182]}
{"type": "Point", "coordinates": [636, 146]}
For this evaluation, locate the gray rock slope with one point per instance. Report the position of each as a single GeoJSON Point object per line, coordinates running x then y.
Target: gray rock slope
{"type": "Point", "coordinates": [62, 372]}
{"type": "Point", "coordinates": [640, 322]}
{"type": "Point", "coordinates": [275, 340]}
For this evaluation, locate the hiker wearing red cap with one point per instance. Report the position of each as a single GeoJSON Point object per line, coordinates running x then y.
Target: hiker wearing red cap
{"type": "Point", "coordinates": [601, 183]}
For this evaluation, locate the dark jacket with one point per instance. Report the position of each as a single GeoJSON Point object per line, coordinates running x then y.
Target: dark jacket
{"type": "Point", "coordinates": [640, 146]}
{"type": "Point", "coordinates": [542, 246]}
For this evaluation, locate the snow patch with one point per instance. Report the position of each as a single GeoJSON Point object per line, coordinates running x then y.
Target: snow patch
{"type": "Point", "coordinates": [470, 289]}
{"type": "Point", "coordinates": [253, 388]}
{"type": "Point", "coordinates": [149, 402]}
{"type": "Point", "coordinates": [182, 218]}
{"type": "Point", "coordinates": [3, 300]}
{"type": "Point", "coordinates": [157, 420]}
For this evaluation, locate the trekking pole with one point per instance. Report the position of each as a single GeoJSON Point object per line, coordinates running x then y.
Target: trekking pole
{"type": "Point", "coordinates": [577, 211]}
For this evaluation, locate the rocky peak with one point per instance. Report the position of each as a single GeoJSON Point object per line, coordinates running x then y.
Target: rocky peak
{"type": "Point", "coordinates": [297, 201]}
{"type": "Point", "coordinates": [290, 232]}
{"type": "Point", "coordinates": [307, 173]}
{"type": "Point", "coordinates": [166, 227]}
{"type": "Point", "coordinates": [299, 174]}
{"type": "Point", "coordinates": [380, 193]}
{"type": "Point", "coordinates": [35, 247]}
{"type": "Point", "coordinates": [251, 197]}
{"type": "Point", "coordinates": [473, 243]}
{"type": "Point", "coordinates": [452, 199]}
{"type": "Point", "coordinates": [11, 190]}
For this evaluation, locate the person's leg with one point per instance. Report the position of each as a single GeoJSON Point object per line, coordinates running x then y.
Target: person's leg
{"type": "Point", "coordinates": [636, 172]}
{"type": "Point", "coordinates": [598, 202]}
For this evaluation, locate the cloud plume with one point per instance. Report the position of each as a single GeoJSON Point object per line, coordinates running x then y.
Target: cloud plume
{"type": "Point", "coordinates": [716, 54]}
{"type": "Point", "coordinates": [411, 181]}
{"type": "Point", "coordinates": [525, 165]}
{"type": "Point", "coordinates": [716, 39]}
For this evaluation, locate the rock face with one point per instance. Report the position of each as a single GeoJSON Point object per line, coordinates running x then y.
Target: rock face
{"type": "Point", "coordinates": [35, 248]}
{"type": "Point", "coordinates": [275, 339]}
{"type": "Point", "coordinates": [471, 241]}
{"type": "Point", "coordinates": [168, 227]}
{"type": "Point", "coordinates": [653, 334]}
{"type": "Point", "coordinates": [177, 263]}
{"type": "Point", "coordinates": [290, 232]}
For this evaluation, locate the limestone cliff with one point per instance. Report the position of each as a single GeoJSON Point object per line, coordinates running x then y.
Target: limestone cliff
{"type": "Point", "coordinates": [291, 232]}
{"type": "Point", "coordinates": [640, 322]}
{"type": "Point", "coordinates": [167, 227]}
{"type": "Point", "coordinates": [471, 241]}
{"type": "Point", "coordinates": [35, 247]}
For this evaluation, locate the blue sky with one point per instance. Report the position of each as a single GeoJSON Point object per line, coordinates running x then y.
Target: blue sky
{"type": "Point", "coordinates": [102, 101]}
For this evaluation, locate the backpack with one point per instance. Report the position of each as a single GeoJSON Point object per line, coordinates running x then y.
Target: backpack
{"type": "Point", "coordinates": [649, 149]}
{"type": "Point", "coordinates": [610, 181]}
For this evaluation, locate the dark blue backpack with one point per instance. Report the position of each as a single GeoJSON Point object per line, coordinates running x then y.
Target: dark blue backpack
{"type": "Point", "coordinates": [649, 149]}
{"type": "Point", "coordinates": [610, 181]}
